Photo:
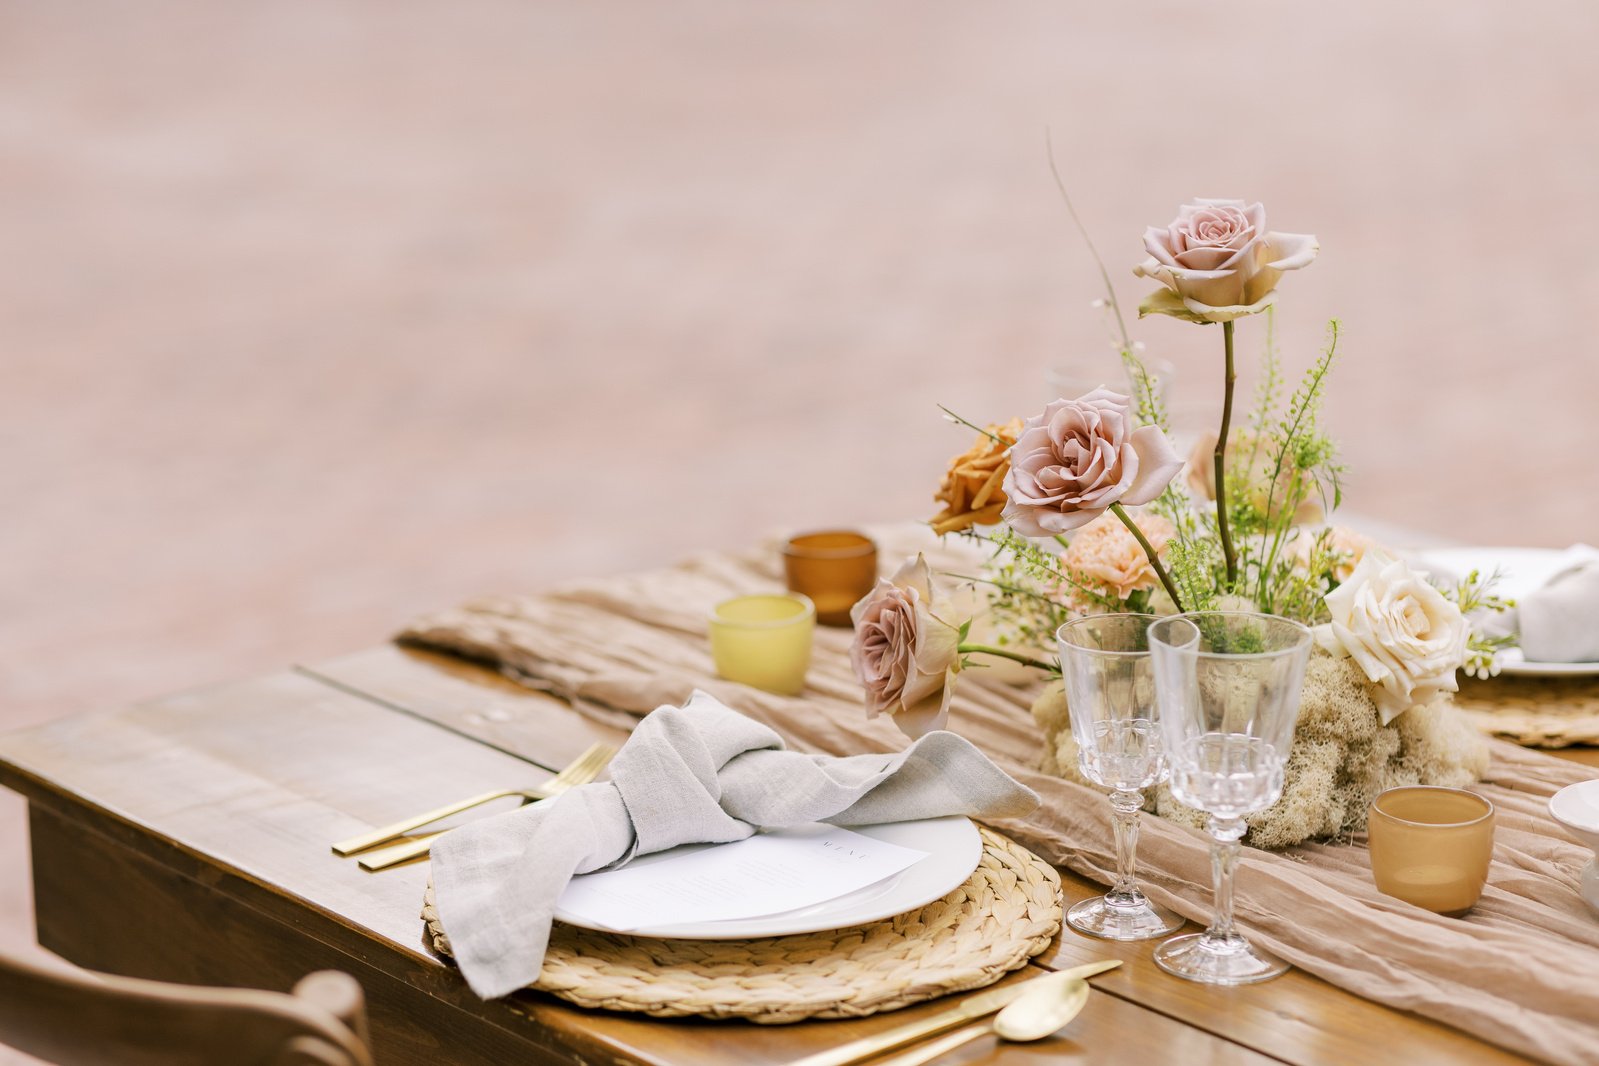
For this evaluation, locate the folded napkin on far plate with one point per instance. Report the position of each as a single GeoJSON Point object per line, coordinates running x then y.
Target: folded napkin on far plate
{"type": "Point", "coordinates": [1558, 621]}
{"type": "Point", "coordinates": [697, 773]}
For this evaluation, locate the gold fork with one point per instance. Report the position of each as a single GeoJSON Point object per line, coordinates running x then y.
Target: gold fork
{"type": "Point", "coordinates": [585, 768]}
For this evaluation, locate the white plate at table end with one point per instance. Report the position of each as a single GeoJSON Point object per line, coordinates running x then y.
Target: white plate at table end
{"type": "Point", "coordinates": [1523, 570]}
{"type": "Point", "coordinates": [953, 848]}
{"type": "Point", "coordinates": [1576, 808]}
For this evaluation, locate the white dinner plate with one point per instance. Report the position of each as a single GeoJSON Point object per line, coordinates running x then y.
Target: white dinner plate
{"type": "Point", "coordinates": [1522, 570]}
{"type": "Point", "coordinates": [953, 851]}
{"type": "Point", "coordinates": [1576, 808]}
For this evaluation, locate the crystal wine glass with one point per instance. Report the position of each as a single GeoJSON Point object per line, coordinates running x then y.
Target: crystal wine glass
{"type": "Point", "coordinates": [1110, 693]}
{"type": "Point", "coordinates": [1227, 685]}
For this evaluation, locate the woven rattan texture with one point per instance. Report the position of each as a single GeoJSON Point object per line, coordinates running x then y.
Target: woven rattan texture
{"type": "Point", "coordinates": [1008, 911]}
{"type": "Point", "coordinates": [1540, 712]}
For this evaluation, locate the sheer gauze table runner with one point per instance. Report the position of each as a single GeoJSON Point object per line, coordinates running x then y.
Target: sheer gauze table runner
{"type": "Point", "coordinates": [1519, 971]}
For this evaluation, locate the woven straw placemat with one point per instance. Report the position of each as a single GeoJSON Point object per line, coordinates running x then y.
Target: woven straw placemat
{"type": "Point", "coordinates": [1539, 712]}
{"type": "Point", "coordinates": [1007, 911]}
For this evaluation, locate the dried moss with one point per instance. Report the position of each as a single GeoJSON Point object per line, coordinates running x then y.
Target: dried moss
{"type": "Point", "coordinates": [1342, 756]}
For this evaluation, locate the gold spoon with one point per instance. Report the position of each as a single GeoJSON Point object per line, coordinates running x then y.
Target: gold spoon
{"type": "Point", "coordinates": [1047, 1005]}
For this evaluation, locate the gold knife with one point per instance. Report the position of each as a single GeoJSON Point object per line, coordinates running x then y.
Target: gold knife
{"type": "Point", "coordinates": [968, 1010]}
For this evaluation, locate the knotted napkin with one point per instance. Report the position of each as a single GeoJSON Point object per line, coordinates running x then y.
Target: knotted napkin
{"type": "Point", "coordinates": [1558, 622]}
{"type": "Point", "coordinates": [697, 773]}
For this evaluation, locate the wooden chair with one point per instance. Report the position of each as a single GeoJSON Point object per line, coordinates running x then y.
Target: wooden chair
{"type": "Point", "coordinates": [79, 1018]}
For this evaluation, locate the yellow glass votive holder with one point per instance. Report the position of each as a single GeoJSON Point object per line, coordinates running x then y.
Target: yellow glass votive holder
{"type": "Point", "coordinates": [834, 567]}
{"type": "Point", "coordinates": [764, 641]}
{"type": "Point", "coordinates": [1431, 846]}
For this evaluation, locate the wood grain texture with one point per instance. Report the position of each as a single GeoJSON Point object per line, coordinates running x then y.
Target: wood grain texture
{"type": "Point", "coordinates": [187, 839]}
{"type": "Point", "coordinates": [1298, 1017]}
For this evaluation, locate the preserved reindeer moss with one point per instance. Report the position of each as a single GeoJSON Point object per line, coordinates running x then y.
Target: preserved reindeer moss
{"type": "Point", "coordinates": [1342, 756]}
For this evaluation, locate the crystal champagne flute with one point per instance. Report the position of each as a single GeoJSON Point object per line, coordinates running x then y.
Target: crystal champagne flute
{"type": "Point", "coordinates": [1110, 694]}
{"type": "Point", "coordinates": [1227, 685]}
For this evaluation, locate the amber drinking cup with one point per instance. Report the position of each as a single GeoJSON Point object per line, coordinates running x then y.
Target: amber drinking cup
{"type": "Point", "coordinates": [1430, 846]}
{"type": "Point", "coordinates": [834, 568]}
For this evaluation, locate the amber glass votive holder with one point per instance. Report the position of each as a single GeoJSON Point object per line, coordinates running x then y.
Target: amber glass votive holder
{"type": "Point", "coordinates": [1431, 846]}
{"type": "Point", "coordinates": [834, 567]}
{"type": "Point", "coordinates": [764, 641]}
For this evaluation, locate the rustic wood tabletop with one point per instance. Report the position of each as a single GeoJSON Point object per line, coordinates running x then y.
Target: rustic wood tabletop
{"type": "Point", "coordinates": [187, 839]}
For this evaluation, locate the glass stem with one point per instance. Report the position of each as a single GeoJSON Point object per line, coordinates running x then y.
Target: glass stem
{"type": "Point", "coordinates": [1223, 864]}
{"type": "Point", "coordinates": [1125, 806]}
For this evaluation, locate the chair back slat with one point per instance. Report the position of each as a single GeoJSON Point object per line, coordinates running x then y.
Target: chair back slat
{"type": "Point", "coordinates": [78, 1018]}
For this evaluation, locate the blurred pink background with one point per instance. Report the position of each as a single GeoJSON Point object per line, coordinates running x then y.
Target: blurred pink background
{"type": "Point", "coordinates": [315, 315]}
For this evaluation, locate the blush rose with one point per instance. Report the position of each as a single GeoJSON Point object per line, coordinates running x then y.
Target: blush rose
{"type": "Point", "coordinates": [1219, 262]}
{"type": "Point", "coordinates": [904, 655]}
{"type": "Point", "coordinates": [1078, 458]}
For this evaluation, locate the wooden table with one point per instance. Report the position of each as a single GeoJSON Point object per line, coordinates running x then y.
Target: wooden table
{"type": "Point", "coordinates": [187, 839]}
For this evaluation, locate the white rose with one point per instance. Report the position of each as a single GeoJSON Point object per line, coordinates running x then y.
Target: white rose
{"type": "Point", "coordinates": [1405, 636]}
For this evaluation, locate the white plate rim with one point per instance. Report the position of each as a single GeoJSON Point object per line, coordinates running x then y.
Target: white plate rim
{"type": "Point", "coordinates": [954, 849]}
{"type": "Point", "coordinates": [1512, 664]}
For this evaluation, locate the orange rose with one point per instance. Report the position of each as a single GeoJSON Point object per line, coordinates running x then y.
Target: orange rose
{"type": "Point", "coordinates": [971, 492]}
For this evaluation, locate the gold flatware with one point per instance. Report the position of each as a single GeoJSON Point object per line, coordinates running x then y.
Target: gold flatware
{"type": "Point", "coordinates": [418, 847]}
{"type": "Point", "coordinates": [585, 768]}
{"type": "Point", "coordinates": [968, 1010]}
{"type": "Point", "coordinates": [1045, 1008]}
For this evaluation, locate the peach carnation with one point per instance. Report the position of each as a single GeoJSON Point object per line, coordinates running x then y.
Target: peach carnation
{"type": "Point", "coordinates": [1105, 556]}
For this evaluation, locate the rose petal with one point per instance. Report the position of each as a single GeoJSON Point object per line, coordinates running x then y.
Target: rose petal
{"type": "Point", "coordinates": [1167, 302]}
{"type": "Point", "coordinates": [1158, 463]}
{"type": "Point", "coordinates": [1153, 268]}
{"type": "Point", "coordinates": [1158, 243]}
{"type": "Point", "coordinates": [1204, 258]}
{"type": "Point", "coordinates": [928, 713]}
{"type": "Point", "coordinates": [915, 574]}
{"type": "Point", "coordinates": [1207, 313]}
{"type": "Point", "coordinates": [1290, 251]}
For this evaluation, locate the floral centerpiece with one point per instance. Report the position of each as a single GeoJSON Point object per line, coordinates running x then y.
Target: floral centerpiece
{"type": "Point", "coordinates": [1080, 509]}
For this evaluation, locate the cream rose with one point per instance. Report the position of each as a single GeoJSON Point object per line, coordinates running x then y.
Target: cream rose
{"type": "Point", "coordinates": [1402, 633]}
{"type": "Point", "coordinates": [1218, 262]}
{"type": "Point", "coordinates": [1079, 457]}
{"type": "Point", "coordinates": [905, 656]}
{"type": "Point", "coordinates": [1105, 556]}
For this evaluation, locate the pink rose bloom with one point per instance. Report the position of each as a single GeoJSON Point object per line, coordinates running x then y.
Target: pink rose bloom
{"type": "Point", "coordinates": [1079, 457]}
{"type": "Point", "coordinates": [1218, 262]}
{"type": "Point", "coordinates": [1105, 556]}
{"type": "Point", "coordinates": [904, 655]}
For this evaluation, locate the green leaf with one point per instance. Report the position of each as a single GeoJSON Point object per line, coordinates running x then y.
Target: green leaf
{"type": "Point", "coordinates": [1166, 302]}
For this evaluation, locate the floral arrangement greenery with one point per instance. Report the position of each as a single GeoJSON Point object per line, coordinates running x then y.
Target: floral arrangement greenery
{"type": "Point", "coordinates": [1080, 509]}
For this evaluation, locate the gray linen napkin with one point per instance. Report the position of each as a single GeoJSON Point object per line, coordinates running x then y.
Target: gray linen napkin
{"type": "Point", "coordinates": [700, 772]}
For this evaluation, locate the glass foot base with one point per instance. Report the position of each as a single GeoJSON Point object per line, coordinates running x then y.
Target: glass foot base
{"type": "Point", "coordinates": [1142, 921]}
{"type": "Point", "coordinates": [1217, 960]}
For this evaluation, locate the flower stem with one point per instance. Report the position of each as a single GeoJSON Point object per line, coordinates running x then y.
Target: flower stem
{"type": "Point", "coordinates": [1016, 657]}
{"type": "Point", "coordinates": [1015, 590]}
{"type": "Point", "coordinates": [1149, 549]}
{"type": "Point", "coordinates": [1221, 463]}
